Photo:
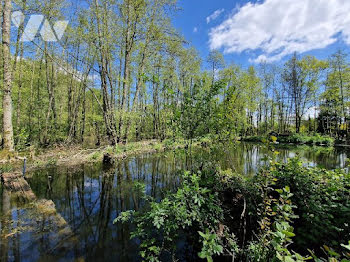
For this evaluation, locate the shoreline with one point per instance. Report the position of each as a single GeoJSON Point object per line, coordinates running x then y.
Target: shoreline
{"type": "Point", "coordinates": [294, 139]}
{"type": "Point", "coordinates": [75, 155]}
{"type": "Point", "coordinates": [70, 156]}
{"type": "Point", "coordinates": [297, 144]}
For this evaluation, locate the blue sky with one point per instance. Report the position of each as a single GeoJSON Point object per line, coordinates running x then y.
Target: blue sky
{"type": "Point", "coordinates": [252, 31]}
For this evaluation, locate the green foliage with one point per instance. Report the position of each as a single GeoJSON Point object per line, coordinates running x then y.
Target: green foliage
{"type": "Point", "coordinates": [333, 256]}
{"type": "Point", "coordinates": [51, 162]}
{"type": "Point", "coordinates": [96, 156]}
{"type": "Point", "coordinates": [211, 246]}
{"type": "Point", "coordinates": [192, 206]}
{"type": "Point", "coordinates": [5, 168]}
{"type": "Point", "coordinates": [279, 215]}
{"type": "Point", "coordinates": [124, 217]}
{"type": "Point", "coordinates": [323, 203]}
{"type": "Point", "coordinates": [315, 139]}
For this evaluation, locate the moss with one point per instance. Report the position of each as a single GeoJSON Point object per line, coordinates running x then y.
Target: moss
{"type": "Point", "coordinates": [109, 149]}
{"type": "Point", "coordinates": [46, 208]}
{"type": "Point", "coordinates": [5, 168]}
{"type": "Point", "coordinates": [96, 156]}
{"type": "Point", "coordinates": [158, 147]}
{"type": "Point", "coordinates": [7, 155]}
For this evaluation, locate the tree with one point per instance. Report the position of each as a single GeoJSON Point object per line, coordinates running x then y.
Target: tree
{"type": "Point", "coordinates": [253, 91]}
{"type": "Point", "coordinates": [333, 118]}
{"type": "Point", "coordinates": [216, 60]}
{"type": "Point", "coordinates": [340, 69]}
{"type": "Point", "coordinates": [267, 75]}
{"type": "Point", "coordinates": [339, 78]}
{"type": "Point", "coordinates": [7, 87]}
{"type": "Point", "coordinates": [301, 78]}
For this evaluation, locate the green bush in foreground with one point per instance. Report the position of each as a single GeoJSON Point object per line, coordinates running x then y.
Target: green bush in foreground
{"type": "Point", "coordinates": [286, 213]}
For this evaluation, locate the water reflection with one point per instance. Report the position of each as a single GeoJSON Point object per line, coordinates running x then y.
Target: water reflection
{"type": "Point", "coordinates": [247, 158]}
{"type": "Point", "coordinates": [89, 198]}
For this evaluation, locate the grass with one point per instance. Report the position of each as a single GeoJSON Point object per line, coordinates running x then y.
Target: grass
{"type": "Point", "coordinates": [95, 156]}
{"type": "Point", "coordinates": [4, 154]}
{"type": "Point", "coordinates": [76, 155]}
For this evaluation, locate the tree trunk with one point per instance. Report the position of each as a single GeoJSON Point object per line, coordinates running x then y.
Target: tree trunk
{"type": "Point", "coordinates": [7, 99]}
{"type": "Point", "coordinates": [31, 108]}
{"type": "Point", "coordinates": [108, 111]}
{"type": "Point", "coordinates": [83, 115]}
{"type": "Point", "coordinates": [19, 51]}
{"type": "Point", "coordinates": [125, 91]}
{"type": "Point", "coordinates": [136, 95]}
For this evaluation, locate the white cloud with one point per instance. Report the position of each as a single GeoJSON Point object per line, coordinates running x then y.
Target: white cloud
{"type": "Point", "coordinates": [94, 78]}
{"type": "Point", "coordinates": [281, 27]}
{"type": "Point", "coordinates": [195, 30]}
{"type": "Point", "coordinates": [311, 112]}
{"type": "Point", "coordinates": [214, 15]}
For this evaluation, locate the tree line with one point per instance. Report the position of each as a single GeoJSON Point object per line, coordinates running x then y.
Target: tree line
{"type": "Point", "coordinates": [122, 72]}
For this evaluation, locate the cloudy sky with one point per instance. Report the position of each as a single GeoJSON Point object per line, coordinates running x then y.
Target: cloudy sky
{"type": "Point", "coordinates": [271, 30]}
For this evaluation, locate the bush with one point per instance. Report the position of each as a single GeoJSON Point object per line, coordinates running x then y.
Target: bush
{"type": "Point", "coordinates": [283, 212]}
{"type": "Point", "coordinates": [193, 207]}
{"type": "Point", "coordinates": [323, 200]}
{"type": "Point", "coordinates": [316, 139]}
{"type": "Point", "coordinates": [255, 139]}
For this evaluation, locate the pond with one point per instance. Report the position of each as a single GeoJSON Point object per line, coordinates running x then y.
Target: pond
{"type": "Point", "coordinates": [72, 219]}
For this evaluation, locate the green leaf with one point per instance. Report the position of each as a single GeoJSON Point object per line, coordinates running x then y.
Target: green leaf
{"type": "Point", "coordinates": [288, 233]}
{"type": "Point", "coordinates": [346, 246]}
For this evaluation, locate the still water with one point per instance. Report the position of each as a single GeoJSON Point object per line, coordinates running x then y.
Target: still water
{"type": "Point", "coordinates": [72, 219]}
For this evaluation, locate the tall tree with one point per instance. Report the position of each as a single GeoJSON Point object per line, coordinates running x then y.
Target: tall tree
{"type": "Point", "coordinates": [216, 60]}
{"type": "Point", "coordinates": [104, 49]}
{"type": "Point", "coordinates": [302, 80]}
{"type": "Point", "coordinates": [7, 88]}
{"type": "Point", "coordinates": [340, 77]}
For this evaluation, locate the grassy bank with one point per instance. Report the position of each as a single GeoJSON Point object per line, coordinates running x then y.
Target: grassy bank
{"type": "Point", "coordinates": [298, 139]}
{"type": "Point", "coordinates": [63, 155]}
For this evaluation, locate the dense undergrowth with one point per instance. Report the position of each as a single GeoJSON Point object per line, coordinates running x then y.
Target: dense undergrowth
{"type": "Point", "coordinates": [315, 139]}
{"type": "Point", "coordinates": [288, 212]}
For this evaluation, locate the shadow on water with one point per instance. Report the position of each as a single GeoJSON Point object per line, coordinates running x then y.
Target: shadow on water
{"type": "Point", "coordinates": [89, 198]}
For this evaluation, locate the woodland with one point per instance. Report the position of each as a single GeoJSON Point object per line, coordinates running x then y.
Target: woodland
{"type": "Point", "coordinates": [124, 78]}
{"type": "Point", "coordinates": [123, 73]}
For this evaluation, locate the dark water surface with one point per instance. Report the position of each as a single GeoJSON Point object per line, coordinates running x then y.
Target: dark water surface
{"type": "Point", "coordinates": [87, 200]}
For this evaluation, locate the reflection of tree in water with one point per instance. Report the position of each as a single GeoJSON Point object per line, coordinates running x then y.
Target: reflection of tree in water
{"type": "Point", "coordinates": [10, 228]}
{"type": "Point", "coordinates": [248, 158]}
{"type": "Point", "coordinates": [90, 198]}
{"type": "Point", "coordinates": [5, 216]}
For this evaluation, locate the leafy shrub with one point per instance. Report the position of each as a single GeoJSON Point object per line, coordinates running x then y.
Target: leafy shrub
{"type": "Point", "coordinates": [316, 139]}
{"type": "Point", "coordinates": [281, 214]}
{"type": "Point", "coordinates": [168, 143]}
{"type": "Point", "coordinates": [255, 139]}
{"type": "Point", "coordinates": [323, 200]}
{"type": "Point", "coordinates": [192, 207]}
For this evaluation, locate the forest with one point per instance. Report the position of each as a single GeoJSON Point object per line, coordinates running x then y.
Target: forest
{"type": "Point", "coordinates": [123, 73]}
{"type": "Point", "coordinates": [124, 84]}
